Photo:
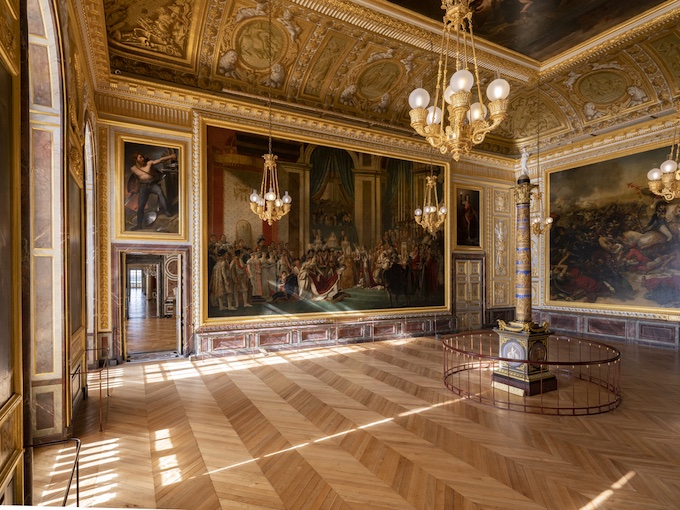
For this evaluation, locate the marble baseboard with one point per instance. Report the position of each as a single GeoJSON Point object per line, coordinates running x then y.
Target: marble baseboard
{"type": "Point", "coordinates": [625, 329]}
{"type": "Point", "coordinates": [250, 338]}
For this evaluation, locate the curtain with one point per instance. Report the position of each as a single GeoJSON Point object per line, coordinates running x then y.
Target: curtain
{"type": "Point", "coordinates": [325, 161]}
{"type": "Point", "coordinates": [398, 195]}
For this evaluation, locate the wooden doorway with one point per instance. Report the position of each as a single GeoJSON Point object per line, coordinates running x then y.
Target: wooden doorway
{"type": "Point", "coordinates": [468, 284]}
{"type": "Point", "coordinates": [151, 319]}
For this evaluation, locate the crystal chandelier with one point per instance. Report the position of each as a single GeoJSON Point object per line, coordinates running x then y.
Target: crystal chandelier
{"type": "Point", "coordinates": [665, 180]}
{"type": "Point", "coordinates": [432, 215]}
{"type": "Point", "coordinates": [268, 204]}
{"type": "Point", "coordinates": [452, 124]}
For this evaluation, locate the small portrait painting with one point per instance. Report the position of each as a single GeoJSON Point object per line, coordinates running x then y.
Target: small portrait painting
{"type": "Point", "coordinates": [467, 218]}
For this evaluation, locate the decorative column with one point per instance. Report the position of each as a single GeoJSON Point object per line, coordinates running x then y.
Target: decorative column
{"type": "Point", "coordinates": [523, 250]}
{"type": "Point", "coordinates": [522, 339]}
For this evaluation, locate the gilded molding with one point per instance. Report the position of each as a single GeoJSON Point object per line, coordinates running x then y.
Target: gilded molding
{"type": "Point", "coordinates": [393, 28]}
{"type": "Point", "coordinates": [161, 111]}
{"type": "Point", "coordinates": [198, 257]}
{"type": "Point", "coordinates": [103, 228]}
{"type": "Point", "coordinates": [500, 245]}
{"type": "Point", "coordinates": [626, 141]}
{"type": "Point", "coordinates": [75, 162]}
{"type": "Point", "coordinates": [9, 40]}
{"type": "Point", "coordinates": [93, 28]}
{"type": "Point", "coordinates": [548, 307]}
{"type": "Point", "coordinates": [628, 33]}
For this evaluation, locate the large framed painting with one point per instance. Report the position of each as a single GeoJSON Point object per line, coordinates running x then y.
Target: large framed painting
{"type": "Point", "coordinates": [614, 244]}
{"type": "Point", "coordinates": [151, 177]}
{"type": "Point", "coordinates": [468, 218]}
{"type": "Point", "coordinates": [348, 246]}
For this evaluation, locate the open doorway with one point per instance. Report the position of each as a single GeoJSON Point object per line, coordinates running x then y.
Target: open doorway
{"type": "Point", "coordinates": [152, 326]}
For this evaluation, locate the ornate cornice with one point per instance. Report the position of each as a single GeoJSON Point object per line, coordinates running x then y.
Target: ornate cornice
{"type": "Point", "coordinates": [155, 108]}
{"type": "Point", "coordinates": [172, 107]}
{"type": "Point", "coordinates": [622, 35]}
{"type": "Point", "coordinates": [631, 140]}
{"type": "Point", "coordinates": [92, 26]}
{"type": "Point", "coordinates": [420, 36]}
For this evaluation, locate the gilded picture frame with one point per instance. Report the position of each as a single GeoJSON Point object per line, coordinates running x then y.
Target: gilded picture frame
{"type": "Point", "coordinates": [155, 180]}
{"type": "Point", "coordinates": [613, 244]}
{"type": "Point", "coordinates": [468, 224]}
{"type": "Point", "coordinates": [341, 238]}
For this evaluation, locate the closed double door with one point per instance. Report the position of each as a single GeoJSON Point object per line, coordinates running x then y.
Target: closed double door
{"type": "Point", "coordinates": [469, 292]}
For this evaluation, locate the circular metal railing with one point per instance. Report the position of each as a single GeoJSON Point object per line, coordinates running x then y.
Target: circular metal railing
{"type": "Point", "coordinates": [587, 374]}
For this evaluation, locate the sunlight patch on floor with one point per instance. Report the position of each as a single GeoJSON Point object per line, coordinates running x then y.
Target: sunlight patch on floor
{"type": "Point", "coordinates": [605, 495]}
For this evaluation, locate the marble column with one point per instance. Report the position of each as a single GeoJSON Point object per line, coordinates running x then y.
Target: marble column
{"type": "Point", "coordinates": [523, 253]}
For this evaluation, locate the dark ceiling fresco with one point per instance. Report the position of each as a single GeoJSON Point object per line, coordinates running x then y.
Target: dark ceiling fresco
{"type": "Point", "coordinates": [540, 29]}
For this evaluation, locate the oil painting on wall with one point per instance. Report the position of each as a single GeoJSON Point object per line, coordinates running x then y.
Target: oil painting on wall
{"type": "Point", "coordinates": [614, 244]}
{"type": "Point", "coordinates": [349, 243]}
{"type": "Point", "coordinates": [151, 181]}
{"type": "Point", "coordinates": [468, 222]}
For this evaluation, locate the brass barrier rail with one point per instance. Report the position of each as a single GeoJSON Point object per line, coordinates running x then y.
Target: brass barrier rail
{"type": "Point", "coordinates": [588, 374]}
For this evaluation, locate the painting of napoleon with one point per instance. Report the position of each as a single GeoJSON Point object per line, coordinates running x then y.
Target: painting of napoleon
{"type": "Point", "coordinates": [614, 244]}
{"type": "Point", "coordinates": [337, 250]}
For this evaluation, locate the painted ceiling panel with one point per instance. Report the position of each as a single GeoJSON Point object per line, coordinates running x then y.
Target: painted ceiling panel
{"type": "Point", "coordinates": [540, 29]}
{"type": "Point", "coordinates": [344, 59]}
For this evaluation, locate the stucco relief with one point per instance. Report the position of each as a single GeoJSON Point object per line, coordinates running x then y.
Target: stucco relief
{"type": "Point", "coordinates": [254, 41]}
{"type": "Point", "coordinates": [669, 49]}
{"type": "Point", "coordinates": [599, 91]}
{"type": "Point", "coordinates": [602, 87]}
{"type": "Point", "coordinates": [501, 293]}
{"type": "Point", "coordinates": [163, 28]}
{"type": "Point", "coordinates": [8, 32]}
{"type": "Point", "coordinates": [377, 79]}
{"type": "Point", "coordinates": [500, 201]}
{"type": "Point", "coordinates": [328, 56]}
{"type": "Point", "coordinates": [500, 244]}
{"type": "Point", "coordinates": [524, 120]}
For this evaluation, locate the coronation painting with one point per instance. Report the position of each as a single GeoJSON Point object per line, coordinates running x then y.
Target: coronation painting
{"type": "Point", "coordinates": [614, 244]}
{"type": "Point", "coordinates": [151, 175]}
{"type": "Point", "coordinates": [348, 245]}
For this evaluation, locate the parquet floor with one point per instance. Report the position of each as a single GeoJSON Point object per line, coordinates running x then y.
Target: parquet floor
{"type": "Point", "coordinates": [146, 332]}
{"type": "Point", "coordinates": [366, 426]}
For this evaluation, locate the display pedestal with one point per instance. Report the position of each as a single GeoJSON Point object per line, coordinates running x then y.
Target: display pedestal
{"type": "Point", "coordinates": [524, 342]}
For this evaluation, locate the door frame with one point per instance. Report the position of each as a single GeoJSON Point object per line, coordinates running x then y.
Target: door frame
{"type": "Point", "coordinates": [481, 257]}
{"type": "Point", "coordinates": [119, 287]}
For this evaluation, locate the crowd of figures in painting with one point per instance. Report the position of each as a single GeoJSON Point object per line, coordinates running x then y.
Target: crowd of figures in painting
{"type": "Point", "coordinates": [619, 253]}
{"type": "Point", "coordinates": [408, 270]}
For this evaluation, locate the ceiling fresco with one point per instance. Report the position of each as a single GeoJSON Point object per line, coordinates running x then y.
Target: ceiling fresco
{"type": "Point", "coordinates": [540, 29]}
{"type": "Point", "coordinates": [343, 59]}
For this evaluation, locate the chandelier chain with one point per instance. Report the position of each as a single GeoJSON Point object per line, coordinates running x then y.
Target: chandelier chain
{"type": "Point", "coordinates": [268, 204]}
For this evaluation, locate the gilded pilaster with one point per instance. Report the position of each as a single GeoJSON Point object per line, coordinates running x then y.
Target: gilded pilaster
{"type": "Point", "coordinates": [103, 230]}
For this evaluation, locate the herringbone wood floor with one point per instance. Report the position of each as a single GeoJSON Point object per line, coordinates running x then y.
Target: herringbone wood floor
{"type": "Point", "coordinates": [366, 426]}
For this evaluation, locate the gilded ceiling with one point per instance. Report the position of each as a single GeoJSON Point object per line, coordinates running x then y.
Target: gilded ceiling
{"type": "Point", "coordinates": [357, 61]}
